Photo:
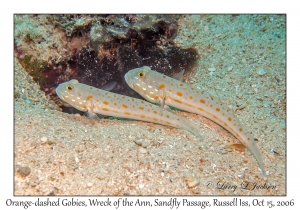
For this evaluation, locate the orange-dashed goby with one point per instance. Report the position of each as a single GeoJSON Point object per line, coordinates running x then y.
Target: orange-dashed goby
{"type": "Point", "coordinates": [93, 100]}
{"type": "Point", "coordinates": [158, 88]}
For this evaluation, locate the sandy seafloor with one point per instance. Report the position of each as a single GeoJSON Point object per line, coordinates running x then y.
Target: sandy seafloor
{"type": "Point", "coordinates": [73, 155]}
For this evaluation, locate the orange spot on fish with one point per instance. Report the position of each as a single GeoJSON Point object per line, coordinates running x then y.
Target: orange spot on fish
{"type": "Point", "coordinates": [215, 117]}
{"type": "Point", "coordinates": [168, 116]}
{"type": "Point", "coordinates": [142, 116]}
{"type": "Point", "coordinates": [105, 109]}
{"type": "Point", "coordinates": [217, 109]}
{"type": "Point", "coordinates": [177, 101]}
{"type": "Point", "coordinates": [105, 102]}
{"type": "Point", "coordinates": [164, 76]}
{"type": "Point", "coordinates": [127, 113]}
{"type": "Point", "coordinates": [161, 86]}
{"type": "Point", "coordinates": [200, 109]}
{"type": "Point", "coordinates": [241, 129]}
{"type": "Point", "coordinates": [155, 119]}
{"type": "Point", "coordinates": [210, 105]}
{"type": "Point", "coordinates": [141, 108]}
{"type": "Point", "coordinates": [84, 106]}
{"type": "Point", "coordinates": [248, 139]}
{"type": "Point", "coordinates": [202, 101]}
{"type": "Point", "coordinates": [179, 93]}
{"type": "Point", "coordinates": [124, 105]}
{"type": "Point", "coordinates": [181, 84]}
{"type": "Point", "coordinates": [115, 104]}
{"type": "Point", "coordinates": [89, 97]}
{"type": "Point", "coordinates": [225, 124]}
{"type": "Point", "coordinates": [191, 97]}
{"type": "Point", "coordinates": [155, 112]}
{"type": "Point", "coordinates": [229, 118]}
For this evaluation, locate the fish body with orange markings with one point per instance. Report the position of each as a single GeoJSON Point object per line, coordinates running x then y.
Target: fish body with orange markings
{"type": "Point", "coordinates": [93, 100]}
{"type": "Point", "coordinates": [161, 89]}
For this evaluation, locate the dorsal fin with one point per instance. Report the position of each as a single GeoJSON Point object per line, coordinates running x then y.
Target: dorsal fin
{"type": "Point", "coordinates": [109, 86]}
{"type": "Point", "coordinates": [179, 75]}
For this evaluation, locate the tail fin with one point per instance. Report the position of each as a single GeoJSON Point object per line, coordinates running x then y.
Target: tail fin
{"type": "Point", "coordinates": [258, 156]}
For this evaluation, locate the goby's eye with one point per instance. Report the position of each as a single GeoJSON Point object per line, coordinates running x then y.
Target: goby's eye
{"type": "Point", "coordinates": [69, 87]}
{"type": "Point", "coordinates": [141, 74]}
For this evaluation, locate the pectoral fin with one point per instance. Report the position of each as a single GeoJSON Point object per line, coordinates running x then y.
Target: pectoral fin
{"type": "Point", "coordinates": [161, 98]}
{"type": "Point", "coordinates": [109, 86]}
{"type": "Point", "coordinates": [90, 113]}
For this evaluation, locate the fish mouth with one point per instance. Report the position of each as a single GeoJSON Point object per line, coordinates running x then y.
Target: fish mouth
{"type": "Point", "coordinates": [128, 80]}
{"type": "Point", "coordinates": [59, 93]}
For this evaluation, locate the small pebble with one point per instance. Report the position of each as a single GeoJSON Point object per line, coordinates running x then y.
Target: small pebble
{"type": "Point", "coordinates": [192, 81]}
{"type": "Point", "coordinates": [262, 72]}
{"type": "Point", "coordinates": [191, 182]}
{"type": "Point", "coordinates": [50, 142]}
{"type": "Point", "coordinates": [138, 142]}
{"type": "Point", "coordinates": [241, 175]}
{"type": "Point", "coordinates": [141, 186]}
{"type": "Point", "coordinates": [89, 184]}
{"type": "Point", "coordinates": [230, 68]}
{"type": "Point", "coordinates": [44, 139]}
{"type": "Point", "coordinates": [24, 171]}
{"type": "Point", "coordinates": [76, 160]}
{"type": "Point", "coordinates": [254, 86]}
{"type": "Point", "coordinates": [268, 173]}
{"type": "Point", "coordinates": [142, 150]}
{"type": "Point", "coordinates": [271, 157]}
{"type": "Point", "coordinates": [32, 184]}
{"type": "Point", "coordinates": [211, 69]}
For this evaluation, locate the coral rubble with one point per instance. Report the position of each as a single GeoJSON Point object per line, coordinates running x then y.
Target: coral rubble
{"type": "Point", "coordinates": [98, 49]}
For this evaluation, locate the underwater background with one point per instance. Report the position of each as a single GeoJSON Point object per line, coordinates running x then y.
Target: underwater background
{"type": "Point", "coordinates": [240, 59]}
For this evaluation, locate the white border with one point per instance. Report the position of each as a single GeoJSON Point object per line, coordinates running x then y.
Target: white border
{"type": "Point", "coordinates": [8, 8]}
